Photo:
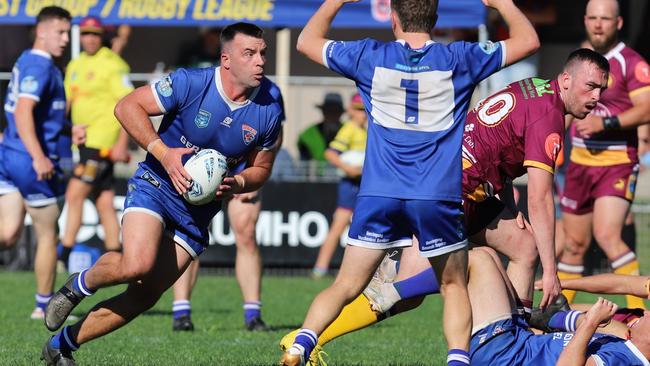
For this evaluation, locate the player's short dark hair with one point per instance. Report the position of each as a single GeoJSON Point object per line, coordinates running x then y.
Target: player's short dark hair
{"type": "Point", "coordinates": [229, 33]}
{"type": "Point", "coordinates": [418, 16]}
{"type": "Point", "coordinates": [587, 55]}
{"type": "Point", "coordinates": [52, 12]}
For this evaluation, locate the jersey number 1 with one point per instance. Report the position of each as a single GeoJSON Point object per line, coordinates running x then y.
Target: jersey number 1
{"type": "Point", "coordinates": [412, 87]}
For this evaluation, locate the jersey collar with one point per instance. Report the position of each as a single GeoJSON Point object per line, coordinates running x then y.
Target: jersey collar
{"type": "Point", "coordinates": [614, 50]}
{"type": "Point", "coordinates": [231, 103]}
{"type": "Point", "coordinates": [637, 353]}
{"type": "Point", "coordinates": [41, 53]}
{"type": "Point", "coordinates": [426, 44]}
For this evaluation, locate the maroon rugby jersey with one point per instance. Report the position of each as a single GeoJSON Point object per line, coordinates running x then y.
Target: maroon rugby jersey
{"type": "Point", "coordinates": [629, 75]}
{"type": "Point", "coordinates": [519, 126]}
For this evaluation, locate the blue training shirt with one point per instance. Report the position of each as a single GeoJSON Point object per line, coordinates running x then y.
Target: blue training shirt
{"type": "Point", "coordinates": [416, 101]}
{"type": "Point", "coordinates": [199, 115]}
{"type": "Point", "coordinates": [35, 76]}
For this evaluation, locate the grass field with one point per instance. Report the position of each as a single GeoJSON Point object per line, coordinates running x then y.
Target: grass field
{"type": "Point", "coordinates": [409, 339]}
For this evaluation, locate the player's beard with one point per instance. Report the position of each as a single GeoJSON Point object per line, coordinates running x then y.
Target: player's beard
{"type": "Point", "coordinates": [603, 43]}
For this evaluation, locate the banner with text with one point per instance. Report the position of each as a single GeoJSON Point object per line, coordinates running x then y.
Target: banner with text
{"type": "Point", "coordinates": [292, 225]}
{"type": "Point", "coordinates": [266, 13]}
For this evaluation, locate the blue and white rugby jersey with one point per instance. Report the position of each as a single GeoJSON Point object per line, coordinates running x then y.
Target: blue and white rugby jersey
{"type": "Point", "coordinates": [35, 76]}
{"type": "Point", "coordinates": [199, 115]}
{"type": "Point", "coordinates": [416, 100]}
{"type": "Point", "coordinates": [509, 342]}
{"type": "Point", "coordinates": [603, 349]}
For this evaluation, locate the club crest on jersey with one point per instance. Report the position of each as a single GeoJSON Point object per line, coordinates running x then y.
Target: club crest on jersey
{"type": "Point", "coordinates": [202, 119]}
{"type": "Point", "coordinates": [164, 86]}
{"type": "Point", "coordinates": [248, 133]}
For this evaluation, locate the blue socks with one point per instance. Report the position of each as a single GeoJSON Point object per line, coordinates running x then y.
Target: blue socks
{"type": "Point", "coordinates": [42, 300]}
{"type": "Point", "coordinates": [181, 308]}
{"type": "Point", "coordinates": [566, 320]}
{"type": "Point", "coordinates": [457, 357]}
{"type": "Point", "coordinates": [423, 283]}
{"type": "Point", "coordinates": [80, 284]}
{"type": "Point", "coordinates": [305, 342]}
{"type": "Point", "coordinates": [252, 310]}
{"type": "Point", "coordinates": [64, 341]}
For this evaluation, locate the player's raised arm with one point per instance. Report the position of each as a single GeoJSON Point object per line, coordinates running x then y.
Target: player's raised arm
{"type": "Point", "coordinates": [133, 113]}
{"type": "Point", "coordinates": [541, 211]}
{"type": "Point", "coordinates": [313, 36]}
{"type": "Point", "coordinates": [523, 39]}
{"type": "Point", "coordinates": [575, 352]}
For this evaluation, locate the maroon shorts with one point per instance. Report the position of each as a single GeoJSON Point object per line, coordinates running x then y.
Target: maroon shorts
{"type": "Point", "coordinates": [478, 215]}
{"type": "Point", "coordinates": [584, 184]}
{"type": "Point", "coordinates": [627, 316]}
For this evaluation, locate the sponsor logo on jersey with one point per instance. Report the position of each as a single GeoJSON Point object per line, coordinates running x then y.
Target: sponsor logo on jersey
{"type": "Point", "coordinates": [642, 72]}
{"type": "Point", "coordinates": [489, 47]}
{"type": "Point", "coordinates": [28, 85]}
{"type": "Point", "coordinates": [58, 104]}
{"type": "Point", "coordinates": [248, 133]}
{"type": "Point", "coordinates": [164, 86]}
{"type": "Point", "coordinates": [202, 119]}
{"type": "Point", "coordinates": [552, 145]}
{"type": "Point", "coordinates": [185, 142]}
{"type": "Point", "coordinates": [226, 122]}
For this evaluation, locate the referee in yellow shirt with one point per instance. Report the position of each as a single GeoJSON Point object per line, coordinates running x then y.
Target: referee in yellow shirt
{"type": "Point", "coordinates": [94, 83]}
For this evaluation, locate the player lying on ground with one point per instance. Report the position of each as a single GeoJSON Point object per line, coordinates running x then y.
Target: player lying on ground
{"type": "Point", "coordinates": [501, 337]}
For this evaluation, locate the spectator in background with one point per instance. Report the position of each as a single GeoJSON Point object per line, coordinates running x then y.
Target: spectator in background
{"type": "Point", "coordinates": [205, 52]}
{"type": "Point", "coordinates": [346, 152]}
{"type": "Point", "coordinates": [313, 141]}
{"type": "Point", "coordinates": [94, 83]}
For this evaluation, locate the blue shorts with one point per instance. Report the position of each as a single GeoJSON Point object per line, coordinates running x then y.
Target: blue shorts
{"type": "Point", "coordinates": [509, 342]}
{"type": "Point", "coordinates": [347, 195]}
{"type": "Point", "coordinates": [17, 174]}
{"type": "Point", "coordinates": [382, 223]}
{"type": "Point", "coordinates": [185, 223]}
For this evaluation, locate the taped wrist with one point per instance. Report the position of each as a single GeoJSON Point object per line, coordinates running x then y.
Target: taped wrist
{"type": "Point", "coordinates": [158, 149]}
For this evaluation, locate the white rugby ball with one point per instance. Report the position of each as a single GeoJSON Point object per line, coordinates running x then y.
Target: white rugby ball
{"type": "Point", "coordinates": [352, 158]}
{"type": "Point", "coordinates": [207, 169]}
